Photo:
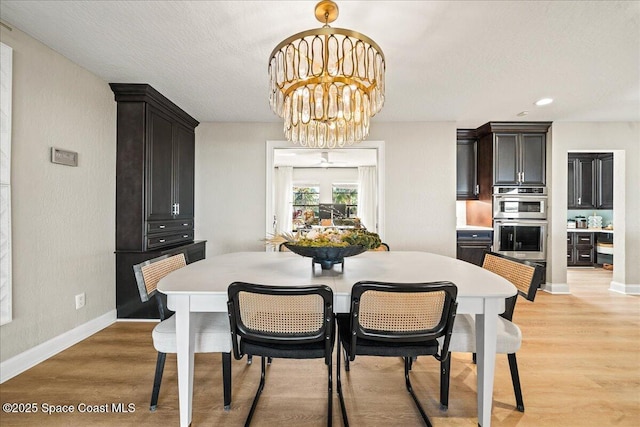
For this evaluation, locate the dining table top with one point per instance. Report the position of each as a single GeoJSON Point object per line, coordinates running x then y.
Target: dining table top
{"type": "Point", "coordinates": [213, 275]}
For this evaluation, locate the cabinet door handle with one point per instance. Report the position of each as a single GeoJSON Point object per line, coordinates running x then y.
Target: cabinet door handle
{"type": "Point", "coordinates": [185, 236]}
{"type": "Point", "coordinates": [162, 240]}
{"type": "Point", "coordinates": [579, 200]}
{"type": "Point", "coordinates": [186, 224]}
{"type": "Point", "coordinates": [477, 190]}
{"type": "Point", "coordinates": [585, 256]}
{"type": "Point", "coordinates": [522, 177]}
{"type": "Point", "coordinates": [177, 208]}
{"type": "Point", "coordinates": [161, 226]}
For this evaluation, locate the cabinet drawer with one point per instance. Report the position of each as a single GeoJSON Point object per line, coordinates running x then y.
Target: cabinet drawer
{"type": "Point", "coordinates": [584, 239]}
{"type": "Point", "coordinates": [475, 235]}
{"type": "Point", "coordinates": [163, 240]}
{"type": "Point", "coordinates": [154, 227]}
{"type": "Point", "coordinates": [584, 257]}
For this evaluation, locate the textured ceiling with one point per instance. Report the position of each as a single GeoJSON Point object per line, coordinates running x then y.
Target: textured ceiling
{"type": "Point", "coordinates": [464, 61]}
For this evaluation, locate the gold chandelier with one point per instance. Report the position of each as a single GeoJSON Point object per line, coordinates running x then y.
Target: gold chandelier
{"type": "Point", "coordinates": [326, 83]}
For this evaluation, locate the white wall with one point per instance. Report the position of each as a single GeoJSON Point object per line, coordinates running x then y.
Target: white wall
{"type": "Point", "coordinates": [624, 140]}
{"type": "Point", "coordinates": [420, 181]}
{"type": "Point", "coordinates": [230, 184]}
{"type": "Point", "coordinates": [63, 217]}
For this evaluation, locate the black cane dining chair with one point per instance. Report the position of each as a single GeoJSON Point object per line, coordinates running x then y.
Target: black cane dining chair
{"type": "Point", "coordinates": [211, 329]}
{"type": "Point", "coordinates": [397, 320]}
{"type": "Point", "coordinates": [288, 322]}
{"type": "Point", "coordinates": [526, 276]}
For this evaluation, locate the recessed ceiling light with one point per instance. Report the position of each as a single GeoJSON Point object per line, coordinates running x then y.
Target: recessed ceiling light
{"type": "Point", "coordinates": [544, 101]}
{"type": "Point", "coordinates": [522, 113]}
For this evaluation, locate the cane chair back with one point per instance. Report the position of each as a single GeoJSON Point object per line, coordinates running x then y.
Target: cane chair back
{"type": "Point", "coordinates": [400, 312]}
{"type": "Point", "coordinates": [524, 275]}
{"type": "Point", "coordinates": [150, 272]}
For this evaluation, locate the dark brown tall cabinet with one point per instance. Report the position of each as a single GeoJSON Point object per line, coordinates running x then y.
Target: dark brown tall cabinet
{"type": "Point", "coordinates": [590, 181]}
{"type": "Point", "coordinates": [466, 165]}
{"type": "Point", "coordinates": [581, 177]}
{"type": "Point", "coordinates": [154, 188]}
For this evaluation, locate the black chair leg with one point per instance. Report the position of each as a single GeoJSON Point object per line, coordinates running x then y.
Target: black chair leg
{"type": "Point", "coordinates": [330, 396]}
{"type": "Point", "coordinates": [407, 365]}
{"type": "Point", "coordinates": [346, 360]}
{"type": "Point", "coordinates": [515, 379]}
{"type": "Point", "coordinates": [249, 359]}
{"type": "Point", "coordinates": [343, 409]}
{"type": "Point", "coordinates": [226, 380]}
{"type": "Point", "coordinates": [445, 375]}
{"type": "Point", "coordinates": [259, 392]}
{"type": "Point", "coordinates": [157, 381]}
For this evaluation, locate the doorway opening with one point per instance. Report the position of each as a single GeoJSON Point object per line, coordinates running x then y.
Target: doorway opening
{"type": "Point", "coordinates": [594, 206]}
{"type": "Point", "coordinates": [332, 172]}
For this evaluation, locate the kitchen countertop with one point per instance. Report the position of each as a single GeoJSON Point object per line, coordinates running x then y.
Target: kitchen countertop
{"type": "Point", "coordinates": [473, 227]}
{"type": "Point", "coordinates": [588, 230]}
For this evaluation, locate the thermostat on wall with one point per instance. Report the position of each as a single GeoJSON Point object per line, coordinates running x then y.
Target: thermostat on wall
{"type": "Point", "coordinates": [64, 157]}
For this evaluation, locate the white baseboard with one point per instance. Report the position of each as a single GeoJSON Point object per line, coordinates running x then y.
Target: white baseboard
{"type": "Point", "coordinates": [138, 320]}
{"type": "Point", "coordinates": [628, 289]}
{"type": "Point", "coordinates": [556, 288]}
{"type": "Point", "coordinates": [28, 359]}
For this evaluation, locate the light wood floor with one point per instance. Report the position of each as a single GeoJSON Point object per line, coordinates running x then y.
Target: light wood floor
{"type": "Point", "coordinates": [579, 366]}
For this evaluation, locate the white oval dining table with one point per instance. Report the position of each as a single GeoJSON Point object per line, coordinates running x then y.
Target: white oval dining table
{"type": "Point", "coordinates": [202, 287]}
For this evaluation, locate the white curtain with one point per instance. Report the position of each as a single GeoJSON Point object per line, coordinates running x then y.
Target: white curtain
{"type": "Point", "coordinates": [367, 197]}
{"type": "Point", "coordinates": [283, 195]}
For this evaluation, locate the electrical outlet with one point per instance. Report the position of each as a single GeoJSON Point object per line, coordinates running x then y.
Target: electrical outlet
{"type": "Point", "coordinates": [79, 301]}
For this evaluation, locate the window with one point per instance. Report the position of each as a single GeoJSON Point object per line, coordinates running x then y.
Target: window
{"type": "Point", "coordinates": [346, 194]}
{"type": "Point", "coordinates": [306, 200]}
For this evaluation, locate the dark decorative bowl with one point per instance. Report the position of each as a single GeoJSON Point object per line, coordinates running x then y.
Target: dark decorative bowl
{"type": "Point", "coordinates": [326, 256]}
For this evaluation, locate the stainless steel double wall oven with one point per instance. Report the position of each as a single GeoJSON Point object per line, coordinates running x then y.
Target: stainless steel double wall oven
{"type": "Point", "coordinates": [520, 222]}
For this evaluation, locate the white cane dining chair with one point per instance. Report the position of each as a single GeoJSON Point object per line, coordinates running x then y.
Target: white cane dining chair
{"type": "Point", "coordinates": [212, 333]}
{"type": "Point", "coordinates": [526, 276]}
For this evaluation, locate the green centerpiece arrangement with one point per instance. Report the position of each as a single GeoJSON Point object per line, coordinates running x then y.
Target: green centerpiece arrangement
{"type": "Point", "coordinates": [330, 246]}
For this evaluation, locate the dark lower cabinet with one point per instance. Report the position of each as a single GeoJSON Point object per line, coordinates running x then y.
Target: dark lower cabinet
{"type": "Point", "coordinates": [128, 302]}
{"type": "Point", "coordinates": [472, 244]}
{"type": "Point", "coordinates": [580, 249]}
